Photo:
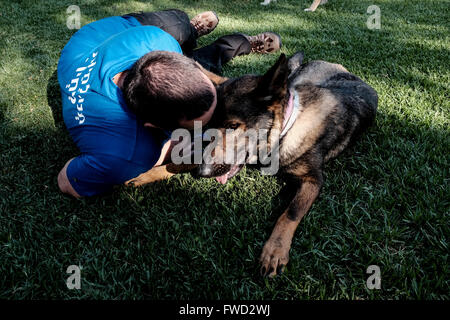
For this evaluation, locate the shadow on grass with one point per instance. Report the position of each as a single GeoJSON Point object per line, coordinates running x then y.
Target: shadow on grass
{"type": "Point", "coordinates": [54, 100]}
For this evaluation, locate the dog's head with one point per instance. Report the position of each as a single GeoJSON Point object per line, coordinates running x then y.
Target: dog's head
{"type": "Point", "coordinates": [246, 105]}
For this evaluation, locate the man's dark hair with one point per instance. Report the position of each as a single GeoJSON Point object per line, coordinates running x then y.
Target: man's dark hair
{"type": "Point", "coordinates": [165, 87]}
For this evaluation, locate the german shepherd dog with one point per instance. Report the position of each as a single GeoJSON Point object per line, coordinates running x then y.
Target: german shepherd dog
{"type": "Point", "coordinates": [334, 107]}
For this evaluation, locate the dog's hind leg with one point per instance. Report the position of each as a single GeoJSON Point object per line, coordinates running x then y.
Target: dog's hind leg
{"type": "Point", "coordinates": [275, 254]}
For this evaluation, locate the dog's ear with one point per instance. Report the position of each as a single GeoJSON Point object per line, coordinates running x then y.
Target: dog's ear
{"type": "Point", "coordinates": [273, 83]}
{"type": "Point", "coordinates": [295, 61]}
{"type": "Point", "coordinates": [215, 79]}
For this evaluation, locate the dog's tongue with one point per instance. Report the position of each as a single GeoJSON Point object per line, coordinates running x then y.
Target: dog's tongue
{"type": "Point", "coordinates": [223, 179]}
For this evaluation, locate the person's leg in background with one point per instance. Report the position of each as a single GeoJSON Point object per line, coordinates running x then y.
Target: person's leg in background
{"type": "Point", "coordinates": [212, 57]}
{"type": "Point", "coordinates": [177, 24]}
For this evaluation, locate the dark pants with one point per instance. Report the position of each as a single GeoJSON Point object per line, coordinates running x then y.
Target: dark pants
{"type": "Point", "coordinates": [177, 24]}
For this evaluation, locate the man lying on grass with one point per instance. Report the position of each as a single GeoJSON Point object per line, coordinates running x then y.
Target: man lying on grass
{"type": "Point", "coordinates": [125, 84]}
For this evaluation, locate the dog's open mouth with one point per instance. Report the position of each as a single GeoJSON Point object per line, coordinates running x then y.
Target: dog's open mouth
{"type": "Point", "coordinates": [231, 173]}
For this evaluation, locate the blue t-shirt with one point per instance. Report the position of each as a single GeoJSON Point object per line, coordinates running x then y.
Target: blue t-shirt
{"type": "Point", "coordinates": [114, 145]}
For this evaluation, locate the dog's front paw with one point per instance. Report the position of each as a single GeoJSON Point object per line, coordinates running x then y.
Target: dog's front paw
{"type": "Point", "coordinates": [274, 257]}
{"type": "Point", "coordinates": [309, 10]}
{"type": "Point", "coordinates": [138, 181]}
{"type": "Point", "coordinates": [133, 183]}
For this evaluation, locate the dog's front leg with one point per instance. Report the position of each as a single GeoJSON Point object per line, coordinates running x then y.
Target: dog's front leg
{"type": "Point", "coordinates": [216, 79]}
{"type": "Point", "coordinates": [275, 254]}
{"type": "Point", "coordinates": [160, 173]}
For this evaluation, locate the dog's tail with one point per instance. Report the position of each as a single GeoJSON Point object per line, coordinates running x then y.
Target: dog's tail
{"type": "Point", "coordinates": [368, 110]}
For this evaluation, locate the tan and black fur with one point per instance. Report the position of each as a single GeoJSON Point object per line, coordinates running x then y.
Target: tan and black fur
{"type": "Point", "coordinates": [335, 107]}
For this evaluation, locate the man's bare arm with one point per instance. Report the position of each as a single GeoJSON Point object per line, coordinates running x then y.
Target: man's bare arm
{"type": "Point", "coordinates": [64, 183]}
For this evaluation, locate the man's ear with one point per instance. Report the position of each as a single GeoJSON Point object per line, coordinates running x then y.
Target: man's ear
{"type": "Point", "coordinates": [149, 125]}
{"type": "Point", "coordinates": [273, 83]}
{"type": "Point", "coordinates": [215, 79]}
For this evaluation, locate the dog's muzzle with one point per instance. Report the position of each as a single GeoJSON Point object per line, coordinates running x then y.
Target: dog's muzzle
{"type": "Point", "coordinates": [222, 172]}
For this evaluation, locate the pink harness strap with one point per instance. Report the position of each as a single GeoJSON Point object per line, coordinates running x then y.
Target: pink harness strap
{"type": "Point", "coordinates": [288, 110]}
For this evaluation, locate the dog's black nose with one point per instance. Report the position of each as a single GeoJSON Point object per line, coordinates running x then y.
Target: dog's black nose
{"type": "Point", "coordinates": [204, 170]}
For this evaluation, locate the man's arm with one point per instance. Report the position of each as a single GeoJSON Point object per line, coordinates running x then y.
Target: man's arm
{"type": "Point", "coordinates": [165, 153]}
{"type": "Point", "coordinates": [64, 183]}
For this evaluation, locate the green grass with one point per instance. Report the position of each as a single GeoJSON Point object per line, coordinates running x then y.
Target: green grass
{"type": "Point", "coordinates": [385, 201]}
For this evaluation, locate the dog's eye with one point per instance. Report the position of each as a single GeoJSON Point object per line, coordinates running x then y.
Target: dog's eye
{"type": "Point", "coordinates": [232, 125]}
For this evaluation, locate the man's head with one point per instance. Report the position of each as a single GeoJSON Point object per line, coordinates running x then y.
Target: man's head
{"type": "Point", "coordinates": [169, 90]}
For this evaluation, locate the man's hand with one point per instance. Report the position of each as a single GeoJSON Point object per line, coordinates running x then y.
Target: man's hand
{"type": "Point", "coordinates": [64, 183]}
